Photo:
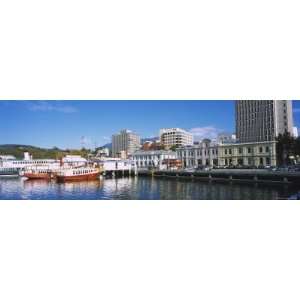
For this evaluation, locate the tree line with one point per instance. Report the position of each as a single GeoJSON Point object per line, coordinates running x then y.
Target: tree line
{"type": "Point", "coordinates": [287, 149]}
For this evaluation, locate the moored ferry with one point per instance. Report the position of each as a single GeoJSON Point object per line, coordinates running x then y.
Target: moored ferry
{"type": "Point", "coordinates": [9, 171]}
{"type": "Point", "coordinates": [37, 168]}
{"type": "Point", "coordinates": [39, 174]}
{"type": "Point", "coordinates": [77, 174]}
{"type": "Point", "coordinates": [9, 161]}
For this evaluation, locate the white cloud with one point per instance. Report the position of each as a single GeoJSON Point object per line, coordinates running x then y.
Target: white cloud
{"type": "Point", "coordinates": [51, 106]}
{"type": "Point", "coordinates": [210, 132]}
{"type": "Point", "coordinates": [85, 141]}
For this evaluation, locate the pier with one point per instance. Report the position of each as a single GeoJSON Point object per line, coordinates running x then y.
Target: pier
{"type": "Point", "coordinates": [246, 176]}
{"type": "Point", "coordinates": [116, 168]}
{"type": "Point", "coordinates": [118, 173]}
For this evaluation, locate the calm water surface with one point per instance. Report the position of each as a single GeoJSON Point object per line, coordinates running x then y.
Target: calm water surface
{"type": "Point", "coordinates": [138, 188]}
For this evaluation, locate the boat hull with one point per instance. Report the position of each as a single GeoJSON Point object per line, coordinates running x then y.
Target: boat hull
{"type": "Point", "coordinates": [38, 176]}
{"type": "Point", "coordinates": [9, 172]}
{"type": "Point", "coordinates": [81, 177]}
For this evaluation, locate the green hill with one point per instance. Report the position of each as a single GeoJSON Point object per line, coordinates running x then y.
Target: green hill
{"type": "Point", "coordinates": [37, 152]}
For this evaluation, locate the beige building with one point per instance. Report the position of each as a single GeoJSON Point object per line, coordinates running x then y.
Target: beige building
{"type": "Point", "coordinates": [247, 154]}
{"type": "Point", "coordinates": [262, 120]}
{"type": "Point", "coordinates": [210, 154]}
{"type": "Point", "coordinates": [175, 137]}
{"type": "Point", "coordinates": [125, 143]}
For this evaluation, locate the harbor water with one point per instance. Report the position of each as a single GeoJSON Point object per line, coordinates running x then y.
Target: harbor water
{"type": "Point", "coordinates": [139, 188]}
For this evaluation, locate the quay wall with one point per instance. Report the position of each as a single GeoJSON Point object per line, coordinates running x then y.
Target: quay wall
{"type": "Point", "coordinates": [249, 176]}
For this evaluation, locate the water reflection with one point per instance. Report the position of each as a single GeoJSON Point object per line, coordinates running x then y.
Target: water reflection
{"type": "Point", "coordinates": [137, 188]}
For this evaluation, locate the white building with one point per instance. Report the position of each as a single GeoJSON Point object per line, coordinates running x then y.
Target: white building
{"type": "Point", "coordinates": [175, 137]}
{"type": "Point", "coordinates": [226, 138]}
{"type": "Point", "coordinates": [205, 153]}
{"type": "Point", "coordinates": [103, 152]}
{"type": "Point", "coordinates": [146, 159]}
{"type": "Point", "coordinates": [112, 164]}
{"type": "Point", "coordinates": [126, 141]}
{"type": "Point", "coordinates": [74, 160]}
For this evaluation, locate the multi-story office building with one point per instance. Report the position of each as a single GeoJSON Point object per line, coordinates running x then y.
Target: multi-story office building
{"type": "Point", "coordinates": [175, 137]}
{"type": "Point", "coordinates": [125, 142]}
{"type": "Point", "coordinates": [203, 154]}
{"type": "Point", "coordinates": [262, 120]}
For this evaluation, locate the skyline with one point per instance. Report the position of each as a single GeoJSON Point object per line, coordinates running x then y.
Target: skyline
{"type": "Point", "coordinates": [64, 123]}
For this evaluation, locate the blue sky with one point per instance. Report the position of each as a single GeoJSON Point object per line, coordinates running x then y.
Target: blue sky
{"type": "Point", "coordinates": [64, 123]}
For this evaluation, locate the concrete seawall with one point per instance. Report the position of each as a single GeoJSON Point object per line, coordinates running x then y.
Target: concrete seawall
{"type": "Point", "coordinates": [249, 176]}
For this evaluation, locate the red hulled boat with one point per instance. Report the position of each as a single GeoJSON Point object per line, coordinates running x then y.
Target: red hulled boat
{"type": "Point", "coordinates": [77, 174]}
{"type": "Point", "coordinates": [39, 174]}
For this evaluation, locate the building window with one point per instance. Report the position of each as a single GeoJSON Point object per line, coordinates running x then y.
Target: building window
{"type": "Point", "coordinates": [240, 150]}
{"type": "Point", "coordinates": [225, 151]}
{"type": "Point", "coordinates": [230, 152]}
{"type": "Point", "coordinates": [267, 149]}
{"type": "Point", "coordinates": [260, 149]}
{"type": "Point", "coordinates": [249, 150]}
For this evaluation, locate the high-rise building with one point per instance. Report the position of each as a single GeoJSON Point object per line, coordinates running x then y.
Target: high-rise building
{"type": "Point", "coordinates": [126, 142]}
{"type": "Point", "coordinates": [175, 137]}
{"type": "Point", "coordinates": [262, 120]}
{"type": "Point", "coordinates": [295, 132]}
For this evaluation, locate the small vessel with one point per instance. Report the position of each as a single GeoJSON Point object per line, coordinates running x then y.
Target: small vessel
{"type": "Point", "coordinates": [39, 174]}
{"type": "Point", "coordinates": [9, 171]}
{"type": "Point", "coordinates": [77, 174]}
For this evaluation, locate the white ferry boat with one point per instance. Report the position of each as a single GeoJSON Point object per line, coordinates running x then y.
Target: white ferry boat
{"type": "Point", "coordinates": [21, 164]}
{"type": "Point", "coordinates": [7, 168]}
{"type": "Point", "coordinates": [9, 171]}
{"type": "Point", "coordinates": [77, 174]}
{"type": "Point", "coordinates": [10, 165]}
